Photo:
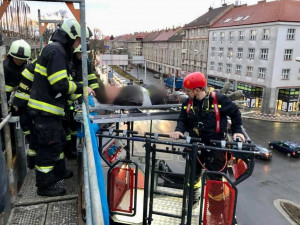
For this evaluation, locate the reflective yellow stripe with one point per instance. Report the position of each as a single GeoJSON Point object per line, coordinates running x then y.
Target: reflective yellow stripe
{"type": "Point", "coordinates": [46, 107]}
{"type": "Point", "coordinates": [27, 74]}
{"type": "Point", "coordinates": [61, 156]}
{"type": "Point", "coordinates": [40, 69]}
{"type": "Point", "coordinates": [57, 76]}
{"type": "Point", "coordinates": [22, 95]}
{"type": "Point", "coordinates": [94, 86]}
{"type": "Point", "coordinates": [198, 184]}
{"type": "Point", "coordinates": [80, 82]}
{"type": "Point", "coordinates": [68, 137]}
{"type": "Point", "coordinates": [74, 97]}
{"type": "Point", "coordinates": [9, 88]}
{"type": "Point", "coordinates": [92, 76]}
{"type": "Point", "coordinates": [72, 87]}
{"type": "Point", "coordinates": [26, 132]}
{"type": "Point", "coordinates": [31, 152]}
{"type": "Point", "coordinates": [74, 132]}
{"type": "Point", "coordinates": [44, 169]}
{"type": "Point", "coordinates": [24, 86]}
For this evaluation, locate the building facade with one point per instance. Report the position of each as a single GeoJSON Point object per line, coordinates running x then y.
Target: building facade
{"type": "Point", "coordinates": [255, 48]}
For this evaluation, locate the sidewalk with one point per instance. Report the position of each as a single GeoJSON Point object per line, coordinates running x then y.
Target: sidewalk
{"type": "Point", "coordinates": [271, 117]}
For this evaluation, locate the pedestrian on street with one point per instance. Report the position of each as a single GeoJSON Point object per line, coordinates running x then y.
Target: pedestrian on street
{"type": "Point", "coordinates": [50, 91]}
{"type": "Point", "coordinates": [198, 117]}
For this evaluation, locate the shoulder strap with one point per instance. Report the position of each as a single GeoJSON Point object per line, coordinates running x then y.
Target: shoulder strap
{"type": "Point", "coordinates": [217, 111]}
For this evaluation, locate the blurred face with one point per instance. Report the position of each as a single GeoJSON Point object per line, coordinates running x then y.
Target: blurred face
{"type": "Point", "coordinates": [189, 93]}
{"type": "Point", "coordinates": [76, 43]}
{"type": "Point", "coordinates": [78, 55]}
{"type": "Point", "coordinates": [199, 93]}
{"type": "Point", "coordinates": [19, 62]}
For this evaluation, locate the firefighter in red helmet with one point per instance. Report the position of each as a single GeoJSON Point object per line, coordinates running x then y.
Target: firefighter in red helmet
{"type": "Point", "coordinates": [198, 117]}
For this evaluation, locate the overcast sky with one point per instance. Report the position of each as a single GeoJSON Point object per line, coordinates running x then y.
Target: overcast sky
{"type": "Point", "coordinates": [116, 17]}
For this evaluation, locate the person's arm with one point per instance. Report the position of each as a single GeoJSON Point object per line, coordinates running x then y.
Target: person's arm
{"type": "Point", "coordinates": [181, 124]}
{"type": "Point", "coordinates": [231, 110]}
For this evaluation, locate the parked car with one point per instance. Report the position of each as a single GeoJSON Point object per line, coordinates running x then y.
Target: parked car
{"type": "Point", "coordinates": [157, 76]}
{"type": "Point", "coordinates": [289, 148]}
{"type": "Point", "coordinates": [264, 152]}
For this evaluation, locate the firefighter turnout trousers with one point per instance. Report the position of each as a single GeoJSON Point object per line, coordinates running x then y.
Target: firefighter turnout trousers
{"type": "Point", "coordinates": [49, 138]}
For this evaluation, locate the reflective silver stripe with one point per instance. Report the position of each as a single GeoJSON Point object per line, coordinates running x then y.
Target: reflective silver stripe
{"type": "Point", "coordinates": [93, 86]}
{"type": "Point", "coordinates": [72, 87]}
{"type": "Point", "coordinates": [27, 74]}
{"type": "Point", "coordinates": [22, 95]}
{"type": "Point", "coordinates": [9, 88]}
{"type": "Point", "coordinates": [46, 107]}
{"type": "Point", "coordinates": [92, 77]}
{"type": "Point", "coordinates": [61, 156]}
{"type": "Point", "coordinates": [44, 169]}
{"type": "Point", "coordinates": [31, 152]}
{"type": "Point", "coordinates": [40, 69]}
{"type": "Point", "coordinates": [57, 76]}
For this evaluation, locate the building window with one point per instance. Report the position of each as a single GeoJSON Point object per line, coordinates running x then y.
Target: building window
{"type": "Point", "coordinates": [262, 72]}
{"type": "Point", "coordinates": [285, 74]}
{"type": "Point", "coordinates": [220, 67]}
{"type": "Point", "coordinates": [288, 54]}
{"type": "Point", "coordinates": [231, 35]}
{"type": "Point", "coordinates": [238, 69]}
{"type": "Point", "coordinates": [264, 53]}
{"type": "Point", "coordinates": [299, 74]}
{"type": "Point", "coordinates": [228, 68]}
{"type": "Point", "coordinates": [240, 53]}
{"type": "Point", "coordinates": [222, 36]}
{"type": "Point", "coordinates": [249, 71]}
{"type": "Point", "coordinates": [291, 34]}
{"type": "Point", "coordinates": [266, 34]}
{"type": "Point", "coordinates": [230, 52]}
{"type": "Point", "coordinates": [221, 51]}
{"type": "Point", "coordinates": [251, 53]}
{"type": "Point", "coordinates": [252, 34]}
{"type": "Point", "coordinates": [212, 65]}
{"type": "Point", "coordinates": [214, 36]}
{"type": "Point", "coordinates": [213, 49]}
{"type": "Point", "coordinates": [241, 35]}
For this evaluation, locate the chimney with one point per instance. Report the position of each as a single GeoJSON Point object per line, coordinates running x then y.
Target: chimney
{"type": "Point", "coordinates": [224, 4]}
{"type": "Point", "coordinates": [210, 8]}
{"type": "Point", "coordinates": [262, 1]}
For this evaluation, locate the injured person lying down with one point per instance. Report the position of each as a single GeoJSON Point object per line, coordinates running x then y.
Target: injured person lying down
{"type": "Point", "coordinates": [147, 95]}
{"type": "Point", "coordinates": [133, 95]}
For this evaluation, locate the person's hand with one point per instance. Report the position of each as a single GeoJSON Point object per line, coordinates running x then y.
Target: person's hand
{"type": "Point", "coordinates": [241, 136]}
{"type": "Point", "coordinates": [176, 135]}
{"type": "Point", "coordinates": [91, 91]}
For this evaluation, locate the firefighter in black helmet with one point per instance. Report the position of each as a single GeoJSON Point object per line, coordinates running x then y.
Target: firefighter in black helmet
{"type": "Point", "coordinates": [50, 91]}
{"type": "Point", "coordinates": [201, 117]}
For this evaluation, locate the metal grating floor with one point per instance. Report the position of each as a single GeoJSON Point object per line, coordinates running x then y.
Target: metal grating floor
{"type": "Point", "coordinates": [33, 215]}
{"type": "Point", "coordinates": [28, 195]}
{"type": "Point", "coordinates": [65, 212]}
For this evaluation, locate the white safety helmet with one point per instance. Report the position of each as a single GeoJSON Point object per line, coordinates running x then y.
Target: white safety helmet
{"type": "Point", "coordinates": [72, 28]}
{"type": "Point", "coordinates": [78, 49]}
{"type": "Point", "coordinates": [20, 49]}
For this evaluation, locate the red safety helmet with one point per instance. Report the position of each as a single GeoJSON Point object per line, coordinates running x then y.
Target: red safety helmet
{"type": "Point", "coordinates": [194, 80]}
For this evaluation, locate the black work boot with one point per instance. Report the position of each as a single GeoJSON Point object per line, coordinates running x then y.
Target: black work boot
{"type": "Point", "coordinates": [30, 162]}
{"type": "Point", "coordinates": [53, 190]}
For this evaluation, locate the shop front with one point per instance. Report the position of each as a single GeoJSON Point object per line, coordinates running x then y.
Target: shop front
{"type": "Point", "coordinates": [253, 94]}
{"type": "Point", "coordinates": [288, 100]}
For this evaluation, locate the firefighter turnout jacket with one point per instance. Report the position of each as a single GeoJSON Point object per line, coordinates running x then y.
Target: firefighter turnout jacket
{"type": "Point", "coordinates": [199, 118]}
{"type": "Point", "coordinates": [51, 86]}
{"type": "Point", "coordinates": [12, 74]}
